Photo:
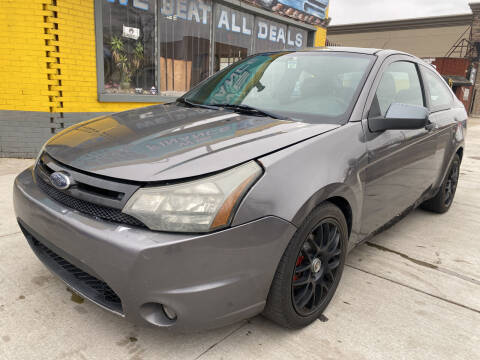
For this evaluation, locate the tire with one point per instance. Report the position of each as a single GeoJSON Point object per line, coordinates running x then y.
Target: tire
{"type": "Point", "coordinates": [444, 198]}
{"type": "Point", "coordinates": [323, 269]}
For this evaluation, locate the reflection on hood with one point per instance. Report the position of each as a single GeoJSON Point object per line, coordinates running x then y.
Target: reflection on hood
{"type": "Point", "coordinates": [154, 135]}
{"type": "Point", "coordinates": [145, 144]}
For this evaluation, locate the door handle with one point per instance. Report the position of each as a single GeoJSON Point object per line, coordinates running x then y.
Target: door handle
{"type": "Point", "coordinates": [430, 126]}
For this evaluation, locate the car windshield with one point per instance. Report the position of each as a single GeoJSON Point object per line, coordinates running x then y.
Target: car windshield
{"type": "Point", "coordinates": [305, 86]}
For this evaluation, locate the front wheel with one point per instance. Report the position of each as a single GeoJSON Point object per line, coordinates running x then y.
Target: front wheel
{"type": "Point", "coordinates": [310, 269]}
{"type": "Point", "coordinates": [444, 198]}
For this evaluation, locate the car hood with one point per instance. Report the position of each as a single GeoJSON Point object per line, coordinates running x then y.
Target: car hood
{"type": "Point", "coordinates": [167, 142]}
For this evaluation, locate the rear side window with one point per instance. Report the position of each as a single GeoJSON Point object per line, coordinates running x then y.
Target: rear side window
{"type": "Point", "coordinates": [440, 95]}
{"type": "Point", "coordinates": [400, 84]}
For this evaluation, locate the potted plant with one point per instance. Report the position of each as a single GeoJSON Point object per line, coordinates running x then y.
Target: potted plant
{"type": "Point", "coordinates": [127, 62]}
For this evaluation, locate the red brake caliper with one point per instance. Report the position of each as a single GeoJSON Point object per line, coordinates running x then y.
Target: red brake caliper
{"type": "Point", "coordinates": [299, 261]}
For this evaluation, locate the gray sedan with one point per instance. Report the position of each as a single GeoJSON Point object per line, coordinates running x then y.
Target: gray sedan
{"type": "Point", "coordinates": [245, 195]}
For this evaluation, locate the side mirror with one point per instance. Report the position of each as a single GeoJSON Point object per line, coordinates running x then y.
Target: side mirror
{"type": "Point", "coordinates": [400, 117]}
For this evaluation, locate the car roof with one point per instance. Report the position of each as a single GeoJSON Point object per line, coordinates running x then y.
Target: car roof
{"type": "Point", "coordinates": [367, 51]}
{"type": "Point", "coordinates": [358, 50]}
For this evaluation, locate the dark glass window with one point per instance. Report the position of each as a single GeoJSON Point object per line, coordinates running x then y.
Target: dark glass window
{"type": "Point", "coordinates": [233, 36]}
{"type": "Point", "coordinates": [400, 84]}
{"type": "Point", "coordinates": [129, 47]}
{"type": "Point", "coordinates": [184, 44]}
{"type": "Point", "coordinates": [440, 95]}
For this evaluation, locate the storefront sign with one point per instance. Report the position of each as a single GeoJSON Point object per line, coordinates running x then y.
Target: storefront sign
{"type": "Point", "coordinates": [279, 34]}
{"type": "Point", "coordinates": [309, 11]}
{"type": "Point", "coordinates": [229, 22]}
{"type": "Point", "coordinates": [234, 21]}
{"type": "Point", "coordinates": [193, 10]}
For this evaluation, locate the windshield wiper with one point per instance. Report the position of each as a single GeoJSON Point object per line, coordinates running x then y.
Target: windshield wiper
{"type": "Point", "coordinates": [240, 108]}
{"type": "Point", "coordinates": [190, 103]}
{"type": "Point", "coordinates": [248, 108]}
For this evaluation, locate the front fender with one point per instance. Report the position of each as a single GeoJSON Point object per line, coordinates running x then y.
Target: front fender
{"type": "Point", "coordinates": [331, 191]}
{"type": "Point", "coordinates": [300, 177]}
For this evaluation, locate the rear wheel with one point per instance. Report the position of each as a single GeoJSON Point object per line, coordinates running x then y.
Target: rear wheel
{"type": "Point", "coordinates": [444, 198]}
{"type": "Point", "coordinates": [310, 269]}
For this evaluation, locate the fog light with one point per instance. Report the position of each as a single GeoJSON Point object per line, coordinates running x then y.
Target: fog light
{"type": "Point", "coordinates": [172, 315]}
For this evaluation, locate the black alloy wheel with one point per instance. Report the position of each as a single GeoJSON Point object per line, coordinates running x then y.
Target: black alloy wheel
{"type": "Point", "coordinates": [442, 201]}
{"type": "Point", "coordinates": [316, 267]}
{"type": "Point", "coordinates": [310, 269]}
{"type": "Point", "coordinates": [451, 184]}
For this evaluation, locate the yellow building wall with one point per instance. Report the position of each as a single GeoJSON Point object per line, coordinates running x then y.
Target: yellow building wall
{"type": "Point", "coordinates": [78, 59]}
{"type": "Point", "coordinates": [60, 33]}
{"type": "Point", "coordinates": [23, 71]}
{"type": "Point", "coordinates": [29, 28]}
{"type": "Point", "coordinates": [320, 39]}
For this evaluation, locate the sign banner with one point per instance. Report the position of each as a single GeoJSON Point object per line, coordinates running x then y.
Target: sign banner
{"type": "Point", "coordinates": [310, 11]}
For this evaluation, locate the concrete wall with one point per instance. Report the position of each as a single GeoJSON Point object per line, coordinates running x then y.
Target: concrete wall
{"type": "Point", "coordinates": [22, 133]}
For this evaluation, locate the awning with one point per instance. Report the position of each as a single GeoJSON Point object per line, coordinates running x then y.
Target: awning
{"type": "Point", "coordinates": [454, 80]}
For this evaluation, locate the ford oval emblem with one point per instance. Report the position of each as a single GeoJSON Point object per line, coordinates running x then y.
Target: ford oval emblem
{"type": "Point", "coordinates": [60, 180]}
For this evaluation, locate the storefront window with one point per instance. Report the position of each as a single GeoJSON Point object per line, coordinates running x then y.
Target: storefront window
{"type": "Point", "coordinates": [184, 44]}
{"type": "Point", "coordinates": [129, 42]}
{"type": "Point", "coordinates": [162, 48]}
{"type": "Point", "coordinates": [233, 36]}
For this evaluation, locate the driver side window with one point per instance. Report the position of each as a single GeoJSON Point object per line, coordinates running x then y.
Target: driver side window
{"type": "Point", "coordinates": [399, 84]}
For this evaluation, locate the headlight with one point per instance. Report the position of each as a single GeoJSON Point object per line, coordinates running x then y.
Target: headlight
{"type": "Point", "coordinates": [196, 206]}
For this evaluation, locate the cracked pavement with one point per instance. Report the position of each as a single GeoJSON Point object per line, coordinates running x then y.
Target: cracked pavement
{"type": "Point", "coordinates": [411, 292]}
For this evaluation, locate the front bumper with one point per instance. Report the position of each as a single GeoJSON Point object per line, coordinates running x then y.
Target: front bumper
{"type": "Point", "coordinates": [209, 280]}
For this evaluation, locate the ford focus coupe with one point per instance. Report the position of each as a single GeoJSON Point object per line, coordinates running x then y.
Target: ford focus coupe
{"type": "Point", "coordinates": [245, 195]}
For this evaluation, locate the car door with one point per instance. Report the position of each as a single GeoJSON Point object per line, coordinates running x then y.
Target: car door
{"type": "Point", "coordinates": [421, 145]}
{"type": "Point", "coordinates": [440, 102]}
{"type": "Point", "coordinates": [398, 169]}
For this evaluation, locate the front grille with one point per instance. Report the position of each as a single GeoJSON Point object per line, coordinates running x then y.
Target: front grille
{"type": "Point", "coordinates": [87, 285]}
{"type": "Point", "coordinates": [98, 211]}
